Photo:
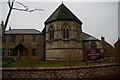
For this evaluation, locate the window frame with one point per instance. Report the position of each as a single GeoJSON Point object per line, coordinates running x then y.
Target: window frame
{"type": "Point", "coordinates": [93, 45]}
{"type": "Point", "coordinates": [22, 38]}
{"type": "Point", "coordinates": [34, 52]}
{"type": "Point", "coordinates": [12, 39]}
{"type": "Point", "coordinates": [11, 50]}
{"type": "Point", "coordinates": [78, 32]}
{"type": "Point", "coordinates": [34, 39]}
{"type": "Point", "coordinates": [65, 32]}
{"type": "Point", "coordinates": [51, 33]}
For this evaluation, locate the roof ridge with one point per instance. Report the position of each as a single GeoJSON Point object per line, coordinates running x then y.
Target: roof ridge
{"type": "Point", "coordinates": [52, 13]}
{"type": "Point", "coordinates": [90, 36]}
{"type": "Point", "coordinates": [23, 31]}
{"type": "Point", "coordinates": [62, 13]}
{"type": "Point", "coordinates": [59, 10]}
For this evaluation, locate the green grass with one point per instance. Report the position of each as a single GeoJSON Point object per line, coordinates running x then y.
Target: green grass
{"type": "Point", "coordinates": [6, 62]}
{"type": "Point", "coordinates": [49, 64]}
{"type": "Point", "coordinates": [35, 64]}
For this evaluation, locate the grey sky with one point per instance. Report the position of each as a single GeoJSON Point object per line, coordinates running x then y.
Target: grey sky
{"type": "Point", "coordinates": [99, 18]}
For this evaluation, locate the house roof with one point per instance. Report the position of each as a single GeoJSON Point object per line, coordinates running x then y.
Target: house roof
{"type": "Point", "coordinates": [20, 46]}
{"type": "Point", "coordinates": [62, 13]}
{"type": "Point", "coordinates": [117, 43]}
{"type": "Point", "coordinates": [22, 31]}
{"type": "Point", "coordinates": [87, 37]}
{"type": "Point", "coordinates": [91, 38]}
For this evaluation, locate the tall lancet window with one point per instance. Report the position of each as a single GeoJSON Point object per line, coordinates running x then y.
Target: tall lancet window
{"type": "Point", "coordinates": [93, 45]}
{"type": "Point", "coordinates": [78, 32]}
{"type": "Point", "coordinates": [51, 33]}
{"type": "Point", "coordinates": [65, 32]}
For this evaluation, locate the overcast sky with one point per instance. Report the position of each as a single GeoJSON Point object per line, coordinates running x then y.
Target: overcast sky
{"type": "Point", "coordinates": [99, 18]}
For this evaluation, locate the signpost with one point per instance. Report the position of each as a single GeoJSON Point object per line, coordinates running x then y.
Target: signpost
{"type": "Point", "coordinates": [93, 55]}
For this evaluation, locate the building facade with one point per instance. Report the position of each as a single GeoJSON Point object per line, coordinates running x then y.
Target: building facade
{"type": "Point", "coordinates": [64, 38]}
{"type": "Point", "coordinates": [61, 39]}
{"type": "Point", "coordinates": [116, 50]}
{"type": "Point", "coordinates": [20, 43]}
{"type": "Point", "coordinates": [107, 48]}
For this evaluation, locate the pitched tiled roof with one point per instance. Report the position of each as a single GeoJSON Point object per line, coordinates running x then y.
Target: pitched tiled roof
{"type": "Point", "coordinates": [62, 13]}
{"type": "Point", "coordinates": [20, 46]}
{"type": "Point", "coordinates": [117, 42]}
{"type": "Point", "coordinates": [91, 38]}
{"type": "Point", "coordinates": [22, 31]}
{"type": "Point", "coordinates": [87, 37]}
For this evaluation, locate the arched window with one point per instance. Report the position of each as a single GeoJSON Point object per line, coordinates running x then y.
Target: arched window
{"type": "Point", "coordinates": [65, 30]}
{"type": "Point", "coordinates": [78, 32]}
{"type": "Point", "coordinates": [51, 33]}
{"type": "Point", "coordinates": [93, 45]}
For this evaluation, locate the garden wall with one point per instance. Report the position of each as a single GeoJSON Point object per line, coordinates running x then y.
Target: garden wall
{"type": "Point", "coordinates": [103, 71]}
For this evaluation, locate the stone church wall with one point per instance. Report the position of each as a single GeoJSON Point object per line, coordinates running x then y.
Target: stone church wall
{"type": "Point", "coordinates": [58, 48]}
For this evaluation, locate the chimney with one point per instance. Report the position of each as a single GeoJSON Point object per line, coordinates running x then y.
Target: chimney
{"type": "Point", "coordinates": [102, 38]}
{"type": "Point", "coordinates": [9, 28]}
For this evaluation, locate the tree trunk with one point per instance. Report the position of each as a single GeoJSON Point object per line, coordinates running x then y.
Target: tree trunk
{"type": "Point", "coordinates": [8, 16]}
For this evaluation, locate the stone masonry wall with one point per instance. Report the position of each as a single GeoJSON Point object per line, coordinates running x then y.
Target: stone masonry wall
{"type": "Point", "coordinates": [39, 45]}
{"type": "Point", "coordinates": [103, 71]}
{"type": "Point", "coordinates": [58, 48]}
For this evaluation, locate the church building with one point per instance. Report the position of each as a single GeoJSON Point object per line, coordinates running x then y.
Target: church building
{"type": "Point", "coordinates": [64, 37]}
{"type": "Point", "coordinates": [61, 39]}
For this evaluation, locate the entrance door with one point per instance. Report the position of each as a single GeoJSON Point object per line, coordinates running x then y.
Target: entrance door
{"type": "Point", "coordinates": [20, 54]}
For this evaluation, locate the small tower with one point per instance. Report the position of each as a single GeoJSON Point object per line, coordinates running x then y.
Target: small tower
{"type": "Point", "coordinates": [62, 35]}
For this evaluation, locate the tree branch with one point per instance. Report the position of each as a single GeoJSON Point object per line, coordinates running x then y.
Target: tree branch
{"type": "Point", "coordinates": [8, 3]}
{"type": "Point", "coordinates": [11, 4]}
{"type": "Point", "coordinates": [26, 8]}
{"type": "Point", "coordinates": [36, 9]}
{"type": "Point", "coordinates": [20, 9]}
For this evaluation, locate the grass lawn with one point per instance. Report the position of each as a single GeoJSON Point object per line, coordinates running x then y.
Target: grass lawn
{"type": "Point", "coordinates": [6, 62]}
{"type": "Point", "coordinates": [35, 64]}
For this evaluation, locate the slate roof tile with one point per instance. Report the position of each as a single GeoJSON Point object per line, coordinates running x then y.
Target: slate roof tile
{"type": "Point", "coordinates": [62, 13]}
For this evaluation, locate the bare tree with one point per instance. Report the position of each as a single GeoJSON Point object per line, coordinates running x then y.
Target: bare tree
{"type": "Point", "coordinates": [11, 7]}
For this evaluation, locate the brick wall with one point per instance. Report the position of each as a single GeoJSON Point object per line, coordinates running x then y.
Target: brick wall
{"type": "Point", "coordinates": [82, 72]}
{"type": "Point", "coordinates": [39, 45]}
